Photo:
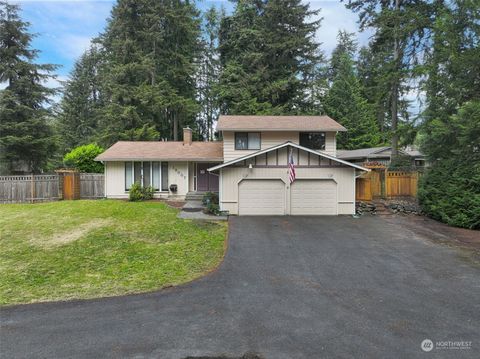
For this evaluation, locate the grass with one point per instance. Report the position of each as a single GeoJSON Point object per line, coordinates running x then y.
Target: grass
{"type": "Point", "coordinates": [87, 249]}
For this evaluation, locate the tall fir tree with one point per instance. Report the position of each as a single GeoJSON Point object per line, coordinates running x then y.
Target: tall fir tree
{"type": "Point", "coordinates": [269, 55]}
{"type": "Point", "coordinates": [26, 139]}
{"type": "Point", "coordinates": [151, 49]}
{"type": "Point", "coordinates": [401, 29]}
{"type": "Point", "coordinates": [450, 189]}
{"type": "Point", "coordinates": [78, 118]}
{"type": "Point", "coordinates": [346, 45]}
{"type": "Point", "coordinates": [345, 103]}
{"type": "Point", "coordinates": [208, 74]}
{"type": "Point", "coordinates": [370, 71]}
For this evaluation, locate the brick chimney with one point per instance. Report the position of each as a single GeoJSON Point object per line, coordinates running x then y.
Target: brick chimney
{"type": "Point", "coordinates": [187, 136]}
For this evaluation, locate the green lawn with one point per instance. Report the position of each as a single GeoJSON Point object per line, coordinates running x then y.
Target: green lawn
{"type": "Point", "coordinates": [86, 249]}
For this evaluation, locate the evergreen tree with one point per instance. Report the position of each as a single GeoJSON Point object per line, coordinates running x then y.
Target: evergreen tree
{"type": "Point", "coordinates": [208, 74]}
{"type": "Point", "coordinates": [78, 120]}
{"type": "Point", "coordinates": [371, 74]}
{"type": "Point", "coordinates": [346, 45]}
{"type": "Point", "coordinates": [268, 54]}
{"type": "Point", "coordinates": [151, 48]}
{"type": "Point", "coordinates": [345, 103]}
{"type": "Point", "coordinates": [25, 136]}
{"type": "Point", "coordinates": [401, 33]}
{"type": "Point", "coordinates": [450, 189]}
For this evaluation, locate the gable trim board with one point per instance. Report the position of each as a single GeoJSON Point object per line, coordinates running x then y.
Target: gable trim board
{"type": "Point", "coordinates": [286, 144]}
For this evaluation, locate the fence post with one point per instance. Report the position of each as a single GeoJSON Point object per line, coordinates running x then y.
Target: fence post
{"type": "Point", "coordinates": [32, 188]}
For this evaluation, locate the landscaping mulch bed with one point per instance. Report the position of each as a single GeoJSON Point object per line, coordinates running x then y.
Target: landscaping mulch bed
{"type": "Point", "coordinates": [175, 204]}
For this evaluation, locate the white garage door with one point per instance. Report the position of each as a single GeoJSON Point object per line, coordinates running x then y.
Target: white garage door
{"type": "Point", "coordinates": [261, 197]}
{"type": "Point", "coordinates": [314, 197]}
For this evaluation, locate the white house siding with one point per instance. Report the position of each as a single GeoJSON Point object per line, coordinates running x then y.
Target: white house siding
{"type": "Point", "coordinates": [178, 174]}
{"type": "Point", "coordinates": [331, 143]}
{"type": "Point", "coordinates": [270, 139]}
{"type": "Point", "coordinates": [115, 179]}
{"type": "Point", "coordinates": [343, 176]}
{"type": "Point", "coordinates": [191, 176]}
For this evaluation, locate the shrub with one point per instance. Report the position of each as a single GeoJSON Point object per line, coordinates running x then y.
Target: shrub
{"type": "Point", "coordinates": [136, 193]}
{"type": "Point", "coordinates": [83, 158]}
{"type": "Point", "coordinates": [139, 193]}
{"type": "Point", "coordinates": [450, 189]}
{"type": "Point", "coordinates": [450, 192]}
{"type": "Point", "coordinates": [210, 197]}
{"type": "Point", "coordinates": [148, 192]}
{"type": "Point", "coordinates": [213, 208]}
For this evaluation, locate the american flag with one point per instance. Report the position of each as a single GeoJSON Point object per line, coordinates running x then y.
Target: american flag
{"type": "Point", "coordinates": [291, 167]}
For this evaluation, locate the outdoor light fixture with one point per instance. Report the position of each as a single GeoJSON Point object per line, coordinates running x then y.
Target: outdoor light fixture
{"type": "Point", "coordinates": [250, 166]}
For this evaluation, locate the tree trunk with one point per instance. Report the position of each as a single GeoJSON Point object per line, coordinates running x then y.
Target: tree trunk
{"type": "Point", "coordinates": [395, 84]}
{"type": "Point", "coordinates": [175, 126]}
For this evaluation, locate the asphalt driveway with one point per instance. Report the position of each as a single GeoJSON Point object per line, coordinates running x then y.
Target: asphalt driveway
{"type": "Point", "coordinates": [289, 287]}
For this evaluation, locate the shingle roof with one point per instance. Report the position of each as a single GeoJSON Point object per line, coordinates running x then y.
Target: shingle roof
{"type": "Point", "coordinates": [360, 153]}
{"type": "Point", "coordinates": [278, 123]}
{"type": "Point", "coordinates": [163, 151]}
{"type": "Point", "coordinates": [375, 152]}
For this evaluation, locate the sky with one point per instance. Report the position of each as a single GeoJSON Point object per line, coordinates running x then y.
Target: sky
{"type": "Point", "coordinates": [65, 28]}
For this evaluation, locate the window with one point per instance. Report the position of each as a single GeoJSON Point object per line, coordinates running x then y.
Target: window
{"type": "Point", "coordinates": [137, 172]}
{"type": "Point", "coordinates": [147, 174]}
{"type": "Point", "coordinates": [156, 175]}
{"type": "Point", "coordinates": [128, 175]}
{"type": "Point", "coordinates": [419, 163]}
{"type": "Point", "coordinates": [147, 169]}
{"type": "Point", "coordinates": [247, 140]}
{"type": "Point", "coordinates": [313, 140]}
{"type": "Point", "coordinates": [164, 176]}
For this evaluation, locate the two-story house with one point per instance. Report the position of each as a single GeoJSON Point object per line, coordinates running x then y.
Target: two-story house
{"type": "Point", "coordinates": [249, 168]}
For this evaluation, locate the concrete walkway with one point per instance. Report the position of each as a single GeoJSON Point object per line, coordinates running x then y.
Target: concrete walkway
{"type": "Point", "coordinates": [195, 210]}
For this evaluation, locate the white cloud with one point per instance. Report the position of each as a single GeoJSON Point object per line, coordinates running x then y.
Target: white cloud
{"type": "Point", "coordinates": [55, 82]}
{"type": "Point", "coordinates": [72, 46]}
{"type": "Point", "coordinates": [336, 17]}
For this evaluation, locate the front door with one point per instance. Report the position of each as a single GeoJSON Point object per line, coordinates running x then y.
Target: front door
{"type": "Point", "coordinates": [206, 181]}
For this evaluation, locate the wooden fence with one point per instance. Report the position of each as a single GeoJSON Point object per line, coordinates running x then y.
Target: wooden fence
{"type": "Point", "coordinates": [40, 188]}
{"type": "Point", "coordinates": [386, 184]}
{"type": "Point", "coordinates": [92, 185]}
{"type": "Point", "coordinates": [401, 184]}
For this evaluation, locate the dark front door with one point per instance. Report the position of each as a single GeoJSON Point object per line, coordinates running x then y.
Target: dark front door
{"type": "Point", "coordinates": [206, 181]}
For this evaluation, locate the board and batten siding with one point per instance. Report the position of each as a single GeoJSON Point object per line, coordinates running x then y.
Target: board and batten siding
{"type": "Point", "coordinates": [178, 173]}
{"type": "Point", "coordinates": [343, 176]}
{"type": "Point", "coordinates": [270, 139]}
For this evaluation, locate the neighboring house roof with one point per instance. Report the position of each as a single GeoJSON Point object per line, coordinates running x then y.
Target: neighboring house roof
{"type": "Point", "coordinates": [375, 152]}
{"type": "Point", "coordinates": [415, 153]}
{"type": "Point", "coordinates": [163, 151]}
{"type": "Point", "coordinates": [278, 123]}
{"type": "Point", "coordinates": [362, 153]}
{"type": "Point", "coordinates": [288, 143]}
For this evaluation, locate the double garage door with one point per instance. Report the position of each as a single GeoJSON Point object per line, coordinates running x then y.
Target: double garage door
{"type": "Point", "coordinates": [269, 197]}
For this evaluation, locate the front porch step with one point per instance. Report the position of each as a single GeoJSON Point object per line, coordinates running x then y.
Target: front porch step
{"type": "Point", "coordinates": [194, 196]}
{"type": "Point", "coordinates": [381, 209]}
{"type": "Point", "coordinates": [193, 206]}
